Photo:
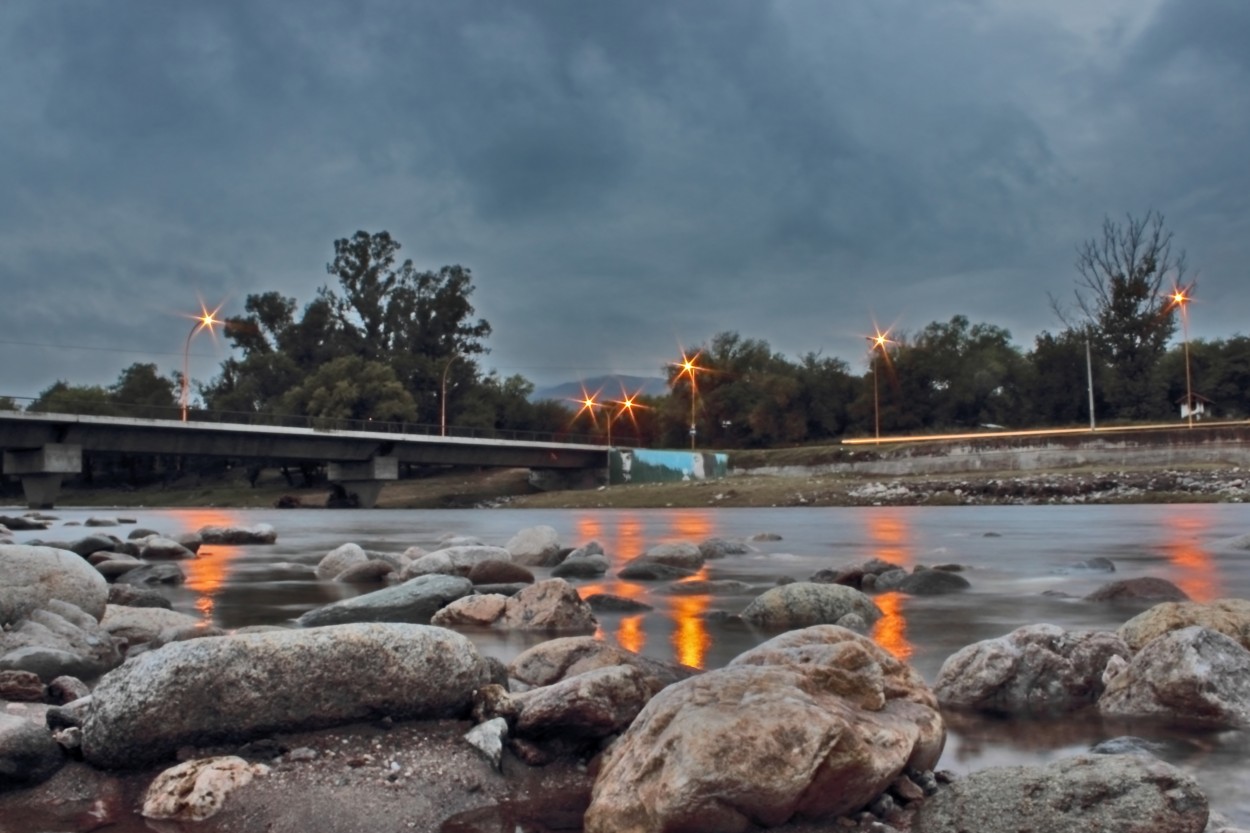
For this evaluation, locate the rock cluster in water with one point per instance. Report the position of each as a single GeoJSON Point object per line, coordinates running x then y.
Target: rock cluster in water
{"type": "Point", "coordinates": [817, 723]}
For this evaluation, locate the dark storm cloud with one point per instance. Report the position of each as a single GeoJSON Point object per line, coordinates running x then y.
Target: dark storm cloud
{"type": "Point", "coordinates": [620, 177]}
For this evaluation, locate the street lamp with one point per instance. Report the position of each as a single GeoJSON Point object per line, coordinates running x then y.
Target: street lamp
{"type": "Point", "coordinates": [688, 368]}
{"type": "Point", "coordinates": [442, 398]}
{"type": "Point", "coordinates": [204, 321]}
{"type": "Point", "coordinates": [1180, 299]}
{"type": "Point", "coordinates": [875, 343]}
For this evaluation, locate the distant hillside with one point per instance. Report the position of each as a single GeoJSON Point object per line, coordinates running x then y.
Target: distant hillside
{"type": "Point", "coordinates": [609, 387]}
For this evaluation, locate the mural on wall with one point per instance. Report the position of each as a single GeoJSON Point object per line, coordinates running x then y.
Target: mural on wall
{"type": "Point", "coordinates": [648, 465]}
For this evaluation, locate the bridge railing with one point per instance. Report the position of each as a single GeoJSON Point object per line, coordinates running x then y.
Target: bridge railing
{"type": "Point", "coordinates": [22, 404]}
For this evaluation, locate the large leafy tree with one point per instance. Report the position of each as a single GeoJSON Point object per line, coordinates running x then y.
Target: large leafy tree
{"type": "Point", "coordinates": [352, 388]}
{"type": "Point", "coordinates": [142, 392]}
{"type": "Point", "coordinates": [1123, 304]}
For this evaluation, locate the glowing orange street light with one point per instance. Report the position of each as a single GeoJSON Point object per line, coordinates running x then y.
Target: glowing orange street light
{"type": "Point", "coordinates": [688, 368]}
{"type": "Point", "coordinates": [204, 321]}
{"type": "Point", "coordinates": [875, 343]}
{"type": "Point", "coordinates": [627, 406]}
{"type": "Point", "coordinates": [1180, 299]}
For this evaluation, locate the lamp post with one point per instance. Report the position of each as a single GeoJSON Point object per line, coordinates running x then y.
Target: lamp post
{"type": "Point", "coordinates": [875, 343]}
{"type": "Point", "coordinates": [205, 321]}
{"type": "Point", "coordinates": [1180, 300]}
{"type": "Point", "coordinates": [442, 398]}
{"type": "Point", "coordinates": [688, 368]}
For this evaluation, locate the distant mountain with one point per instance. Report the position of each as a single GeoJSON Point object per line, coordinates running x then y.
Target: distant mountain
{"type": "Point", "coordinates": [609, 387]}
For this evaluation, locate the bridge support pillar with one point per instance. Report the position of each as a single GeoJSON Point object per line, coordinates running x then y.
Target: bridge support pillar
{"type": "Point", "coordinates": [41, 470]}
{"type": "Point", "coordinates": [362, 482]}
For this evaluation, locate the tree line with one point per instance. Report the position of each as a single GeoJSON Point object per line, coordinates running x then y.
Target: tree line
{"type": "Point", "coordinates": [390, 343]}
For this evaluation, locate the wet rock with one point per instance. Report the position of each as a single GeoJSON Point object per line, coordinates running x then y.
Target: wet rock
{"type": "Point", "coordinates": [163, 548]}
{"type": "Point", "coordinates": [165, 572]}
{"type": "Point", "coordinates": [455, 561]}
{"type": "Point", "coordinates": [28, 754]}
{"type": "Point", "coordinates": [339, 559]}
{"type": "Point", "coordinates": [499, 572]}
{"type": "Point", "coordinates": [699, 587]}
{"type": "Point", "coordinates": [66, 689]}
{"type": "Point", "coordinates": [116, 567]}
{"type": "Point", "coordinates": [23, 524]}
{"type": "Point", "coordinates": [594, 704]}
{"type": "Point", "coordinates": [559, 659]}
{"type": "Point", "coordinates": [720, 548]}
{"type": "Point", "coordinates": [933, 583]}
{"type": "Point", "coordinates": [238, 688]}
{"type": "Point", "coordinates": [764, 536]}
{"type": "Point", "coordinates": [1145, 589]}
{"type": "Point", "coordinates": [643, 569]}
{"type": "Point", "coordinates": [59, 639]}
{"type": "Point", "coordinates": [1192, 676]}
{"type": "Point", "coordinates": [238, 535]}
{"type": "Point", "coordinates": [551, 605]}
{"type": "Point", "coordinates": [535, 546]}
{"type": "Point", "coordinates": [95, 520]}
{"type": "Point", "coordinates": [581, 563]}
{"type": "Point", "coordinates": [373, 571]}
{"type": "Point", "coordinates": [1107, 793]}
{"type": "Point", "coordinates": [21, 687]}
{"type": "Point", "coordinates": [1036, 668]}
{"type": "Point", "coordinates": [610, 603]}
{"type": "Point", "coordinates": [197, 790]}
{"type": "Point", "coordinates": [679, 554]}
{"type": "Point", "coordinates": [413, 601]}
{"type": "Point", "coordinates": [32, 576]}
{"type": "Point", "coordinates": [93, 543]}
{"type": "Point", "coordinates": [805, 603]}
{"type": "Point", "coordinates": [812, 724]}
{"type": "Point", "coordinates": [141, 532]}
{"type": "Point", "coordinates": [131, 596]}
{"type": "Point", "coordinates": [1230, 617]}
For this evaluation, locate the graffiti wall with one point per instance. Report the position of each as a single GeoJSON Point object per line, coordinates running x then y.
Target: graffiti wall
{"type": "Point", "coordinates": [649, 465]}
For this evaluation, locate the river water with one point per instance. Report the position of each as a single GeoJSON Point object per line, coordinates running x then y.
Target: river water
{"type": "Point", "coordinates": [1012, 555]}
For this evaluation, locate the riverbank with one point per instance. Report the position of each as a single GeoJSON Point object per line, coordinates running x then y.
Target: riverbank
{"type": "Point", "coordinates": [794, 479]}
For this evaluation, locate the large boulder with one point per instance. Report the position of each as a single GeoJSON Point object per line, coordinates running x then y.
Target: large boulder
{"type": "Point", "coordinates": [1036, 668]}
{"type": "Point", "coordinates": [31, 576]}
{"type": "Point", "coordinates": [804, 603]}
{"type": "Point", "coordinates": [1194, 675]}
{"type": "Point", "coordinates": [1230, 617]}
{"type": "Point", "coordinates": [28, 754]}
{"type": "Point", "coordinates": [812, 724]}
{"type": "Point", "coordinates": [1106, 793]}
{"type": "Point", "coordinates": [413, 601]}
{"type": "Point", "coordinates": [236, 688]}
{"type": "Point", "coordinates": [535, 546]}
{"type": "Point", "coordinates": [558, 659]}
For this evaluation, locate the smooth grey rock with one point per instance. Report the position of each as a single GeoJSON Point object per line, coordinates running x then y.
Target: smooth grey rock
{"type": "Point", "coordinates": [675, 554]}
{"type": "Point", "coordinates": [164, 572]}
{"type": "Point", "coordinates": [93, 543]}
{"type": "Point", "coordinates": [455, 561]}
{"type": "Point", "coordinates": [163, 548]}
{"type": "Point", "coordinates": [237, 688]}
{"type": "Point", "coordinates": [339, 559]}
{"type": "Point", "coordinates": [237, 535]}
{"type": "Point", "coordinates": [413, 601]}
{"type": "Point", "coordinates": [373, 571]}
{"type": "Point", "coordinates": [933, 583]}
{"type": "Point", "coordinates": [137, 625]}
{"type": "Point", "coordinates": [644, 569]}
{"type": "Point", "coordinates": [581, 564]}
{"type": "Point", "coordinates": [1106, 793]}
{"type": "Point", "coordinates": [487, 738]}
{"type": "Point", "coordinates": [1137, 590]}
{"type": "Point", "coordinates": [28, 753]}
{"type": "Point", "coordinates": [535, 546]}
{"type": "Point", "coordinates": [611, 603]}
{"type": "Point", "coordinates": [805, 603]}
{"type": "Point", "coordinates": [131, 596]}
{"type": "Point", "coordinates": [31, 576]}
{"type": "Point", "coordinates": [720, 548]}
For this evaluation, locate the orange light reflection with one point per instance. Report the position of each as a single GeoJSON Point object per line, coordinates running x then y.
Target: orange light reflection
{"type": "Point", "coordinates": [1193, 569]}
{"type": "Point", "coordinates": [891, 541]}
{"type": "Point", "coordinates": [206, 574]}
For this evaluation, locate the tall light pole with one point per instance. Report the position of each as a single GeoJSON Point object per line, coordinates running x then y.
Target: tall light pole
{"type": "Point", "coordinates": [442, 398]}
{"type": "Point", "coordinates": [689, 368]}
{"type": "Point", "coordinates": [204, 321]}
{"type": "Point", "coordinates": [875, 343]}
{"type": "Point", "coordinates": [1180, 300]}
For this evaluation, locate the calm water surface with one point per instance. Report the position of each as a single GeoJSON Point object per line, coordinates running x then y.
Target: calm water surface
{"type": "Point", "coordinates": [1012, 556]}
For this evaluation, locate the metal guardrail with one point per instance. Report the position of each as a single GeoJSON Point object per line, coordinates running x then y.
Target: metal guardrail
{"type": "Point", "coordinates": [174, 414]}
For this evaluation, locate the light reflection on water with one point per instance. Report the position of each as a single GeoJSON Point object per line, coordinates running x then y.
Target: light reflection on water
{"type": "Point", "coordinates": [1012, 556]}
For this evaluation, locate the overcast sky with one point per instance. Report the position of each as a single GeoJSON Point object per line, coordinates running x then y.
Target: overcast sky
{"type": "Point", "coordinates": [621, 177]}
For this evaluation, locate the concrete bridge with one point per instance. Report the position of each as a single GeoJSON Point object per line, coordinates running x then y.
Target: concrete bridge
{"type": "Point", "coordinates": [42, 448]}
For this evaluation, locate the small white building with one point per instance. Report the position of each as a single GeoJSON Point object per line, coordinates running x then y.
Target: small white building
{"type": "Point", "coordinates": [1195, 404]}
